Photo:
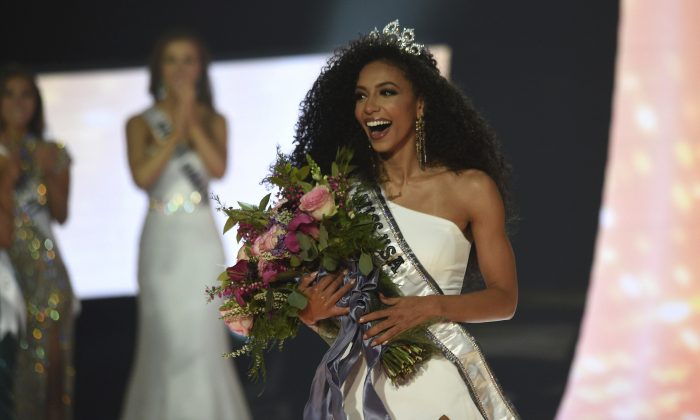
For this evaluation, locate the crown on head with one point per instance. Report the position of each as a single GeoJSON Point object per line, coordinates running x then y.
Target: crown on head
{"type": "Point", "coordinates": [393, 34]}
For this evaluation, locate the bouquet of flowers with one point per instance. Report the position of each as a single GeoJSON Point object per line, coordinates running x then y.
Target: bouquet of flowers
{"type": "Point", "coordinates": [313, 224]}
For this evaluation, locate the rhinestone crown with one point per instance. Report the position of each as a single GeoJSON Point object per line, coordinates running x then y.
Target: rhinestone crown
{"type": "Point", "coordinates": [393, 34]}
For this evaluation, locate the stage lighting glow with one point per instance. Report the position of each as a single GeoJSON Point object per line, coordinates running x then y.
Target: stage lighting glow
{"type": "Point", "coordinates": [638, 355]}
{"type": "Point", "coordinates": [88, 110]}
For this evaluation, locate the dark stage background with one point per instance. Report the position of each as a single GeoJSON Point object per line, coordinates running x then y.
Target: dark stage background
{"type": "Point", "coordinates": [540, 71]}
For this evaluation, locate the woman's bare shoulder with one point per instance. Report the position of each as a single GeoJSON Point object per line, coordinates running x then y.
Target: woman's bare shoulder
{"type": "Point", "coordinates": [473, 182]}
{"type": "Point", "coordinates": [475, 191]}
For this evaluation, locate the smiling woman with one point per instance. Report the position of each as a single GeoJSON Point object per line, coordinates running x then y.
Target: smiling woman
{"type": "Point", "coordinates": [439, 192]}
{"type": "Point", "coordinates": [387, 107]}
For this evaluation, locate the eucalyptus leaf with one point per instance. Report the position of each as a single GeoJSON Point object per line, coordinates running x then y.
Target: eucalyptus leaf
{"type": "Point", "coordinates": [223, 276]}
{"type": "Point", "coordinates": [304, 241]}
{"type": "Point", "coordinates": [312, 253]}
{"type": "Point", "coordinates": [329, 263]}
{"type": "Point", "coordinates": [322, 238]}
{"type": "Point", "coordinates": [297, 300]}
{"type": "Point", "coordinates": [366, 263]}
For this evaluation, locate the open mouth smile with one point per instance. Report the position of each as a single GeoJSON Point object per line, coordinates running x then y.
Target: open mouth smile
{"type": "Point", "coordinates": [378, 128]}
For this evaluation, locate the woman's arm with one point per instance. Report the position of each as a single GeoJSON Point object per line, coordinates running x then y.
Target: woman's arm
{"type": "Point", "coordinates": [7, 182]}
{"type": "Point", "coordinates": [147, 167]}
{"type": "Point", "coordinates": [5, 226]}
{"type": "Point", "coordinates": [54, 163]}
{"type": "Point", "coordinates": [209, 140]}
{"type": "Point", "coordinates": [498, 301]}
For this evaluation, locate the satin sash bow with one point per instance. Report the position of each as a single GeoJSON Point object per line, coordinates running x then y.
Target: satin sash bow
{"type": "Point", "coordinates": [326, 397]}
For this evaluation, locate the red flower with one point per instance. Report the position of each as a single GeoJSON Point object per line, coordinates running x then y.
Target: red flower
{"type": "Point", "coordinates": [238, 272]}
{"type": "Point", "coordinates": [291, 242]}
{"type": "Point", "coordinates": [268, 275]}
{"type": "Point", "coordinates": [304, 223]}
{"type": "Point", "coordinates": [268, 270]}
{"type": "Point", "coordinates": [239, 297]}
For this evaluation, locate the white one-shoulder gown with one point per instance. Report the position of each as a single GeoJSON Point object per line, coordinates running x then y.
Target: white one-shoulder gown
{"type": "Point", "coordinates": [179, 372]}
{"type": "Point", "coordinates": [437, 389]}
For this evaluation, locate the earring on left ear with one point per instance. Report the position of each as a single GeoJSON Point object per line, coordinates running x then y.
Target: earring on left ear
{"type": "Point", "coordinates": [420, 142]}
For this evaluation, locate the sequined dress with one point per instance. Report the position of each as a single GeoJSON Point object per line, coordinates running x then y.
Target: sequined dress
{"type": "Point", "coordinates": [47, 291]}
{"type": "Point", "coordinates": [179, 371]}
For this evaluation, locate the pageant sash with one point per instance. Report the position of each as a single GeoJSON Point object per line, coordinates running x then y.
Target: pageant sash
{"type": "Point", "coordinates": [161, 126]}
{"type": "Point", "coordinates": [456, 344]}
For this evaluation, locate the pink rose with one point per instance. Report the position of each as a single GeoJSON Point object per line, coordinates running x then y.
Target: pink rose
{"type": "Point", "coordinates": [240, 325]}
{"type": "Point", "coordinates": [318, 202]}
{"type": "Point", "coordinates": [267, 241]}
{"type": "Point", "coordinates": [242, 255]}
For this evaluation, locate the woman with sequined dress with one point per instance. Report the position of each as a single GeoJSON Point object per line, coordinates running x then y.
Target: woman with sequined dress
{"type": "Point", "coordinates": [44, 370]}
{"type": "Point", "coordinates": [439, 194]}
{"type": "Point", "coordinates": [174, 148]}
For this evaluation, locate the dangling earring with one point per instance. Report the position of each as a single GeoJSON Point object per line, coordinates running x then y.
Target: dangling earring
{"type": "Point", "coordinates": [420, 142]}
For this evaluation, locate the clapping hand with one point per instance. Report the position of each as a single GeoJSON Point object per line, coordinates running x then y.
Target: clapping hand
{"type": "Point", "coordinates": [186, 112]}
{"type": "Point", "coordinates": [46, 158]}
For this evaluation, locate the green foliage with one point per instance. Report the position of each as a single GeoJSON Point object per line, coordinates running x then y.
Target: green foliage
{"type": "Point", "coordinates": [263, 203]}
{"type": "Point", "coordinates": [366, 265]}
{"type": "Point", "coordinates": [347, 235]}
{"type": "Point", "coordinates": [297, 300]}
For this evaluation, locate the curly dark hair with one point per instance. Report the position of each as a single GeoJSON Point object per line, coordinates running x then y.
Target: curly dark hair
{"type": "Point", "coordinates": [457, 136]}
{"type": "Point", "coordinates": [204, 91]}
{"type": "Point", "coordinates": [12, 71]}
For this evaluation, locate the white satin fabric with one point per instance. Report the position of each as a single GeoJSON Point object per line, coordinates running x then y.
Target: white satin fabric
{"type": "Point", "coordinates": [12, 312]}
{"type": "Point", "coordinates": [437, 389]}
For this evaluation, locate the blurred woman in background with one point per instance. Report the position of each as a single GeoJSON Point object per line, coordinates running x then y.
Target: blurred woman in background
{"type": "Point", "coordinates": [44, 371]}
{"type": "Point", "coordinates": [174, 148]}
